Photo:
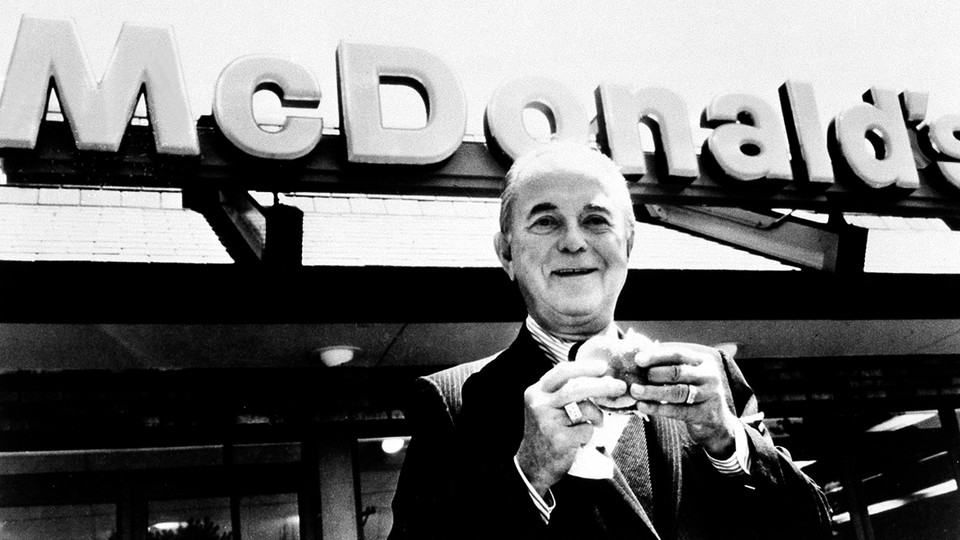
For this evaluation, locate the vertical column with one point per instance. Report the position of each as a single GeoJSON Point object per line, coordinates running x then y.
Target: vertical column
{"type": "Point", "coordinates": [131, 512]}
{"type": "Point", "coordinates": [235, 492]}
{"type": "Point", "coordinates": [951, 431]}
{"type": "Point", "coordinates": [309, 488]}
{"type": "Point", "coordinates": [859, 515]}
{"type": "Point", "coordinates": [283, 245]}
{"type": "Point", "coordinates": [338, 489]}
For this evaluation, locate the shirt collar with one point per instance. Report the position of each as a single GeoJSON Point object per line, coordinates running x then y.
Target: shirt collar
{"type": "Point", "coordinates": [558, 349]}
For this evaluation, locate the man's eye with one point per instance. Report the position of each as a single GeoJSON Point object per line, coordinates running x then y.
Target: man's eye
{"type": "Point", "coordinates": [544, 223]}
{"type": "Point", "coordinates": [596, 221]}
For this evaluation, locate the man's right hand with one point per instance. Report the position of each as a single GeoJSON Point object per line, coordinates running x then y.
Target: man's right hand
{"type": "Point", "coordinates": [550, 440]}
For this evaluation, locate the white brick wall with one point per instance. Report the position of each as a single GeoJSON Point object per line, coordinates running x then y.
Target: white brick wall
{"type": "Point", "coordinates": [341, 229]}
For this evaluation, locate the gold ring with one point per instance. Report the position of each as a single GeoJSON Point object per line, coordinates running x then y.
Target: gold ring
{"type": "Point", "coordinates": [691, 394]}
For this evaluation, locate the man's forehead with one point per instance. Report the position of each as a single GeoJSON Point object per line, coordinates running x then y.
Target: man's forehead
{"type": "Point", "coordinates": [552, 187]}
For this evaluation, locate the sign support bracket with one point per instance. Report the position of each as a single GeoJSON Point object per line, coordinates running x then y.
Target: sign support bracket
{"type": "Point", "coordinates": [251, 233]}
{"type": "Point", "coordinates": [834, 247]}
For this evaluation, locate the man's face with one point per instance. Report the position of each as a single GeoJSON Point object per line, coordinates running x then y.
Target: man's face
{"type": "Point", "coordinates": [568, 247]}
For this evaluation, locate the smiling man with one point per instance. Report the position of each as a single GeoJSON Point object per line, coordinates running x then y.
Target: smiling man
{"type": "Point", "coordinates": [692, 461]}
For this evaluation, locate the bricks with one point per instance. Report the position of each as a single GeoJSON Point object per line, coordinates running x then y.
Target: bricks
{"type": "Point", "coordinates": [472, 209]}
{"type": "Point", "coordinates": [100, 197]}
{"type": "Point", "coordinates": [62, 197]}
{"type": "Point", "coordinates": [97, 230]}
{"type": "Point", "coordinates": [141, 199]}
{"type": "Point", "coordinates": [19, 195]}
{"type": "Point", "coordinates": [365, 205]}
{"type": "Point", "coordinates": [438, 208]}
{"type": "Point", "coordinates": [332, 205]}
{"type": "Point", "coordinates": [306, 204]}
{"type": "Point", "coordinates": [403, 207]}
{"type": "Point", "coordinates": [171, 199]}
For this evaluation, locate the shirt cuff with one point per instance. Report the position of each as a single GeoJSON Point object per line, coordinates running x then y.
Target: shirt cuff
{"type": "Point", "coordinates": [739, 462]}
{"type": "Point", "coordinates": [544, 507]}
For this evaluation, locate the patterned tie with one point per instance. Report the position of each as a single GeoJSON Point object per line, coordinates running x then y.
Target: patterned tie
{"type": "Point", "coordinates": [630, 455]}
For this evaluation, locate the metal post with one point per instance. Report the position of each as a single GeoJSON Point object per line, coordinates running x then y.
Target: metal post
{"type": "Point", "coordinates": [951, 430]}
{"type": "Point", "coordinates": [338, 490]}
{"type": "Point", "coordinates": [234, 486]}
{"type": "Point", "coordinates": [309, 488]}
{"type": "Point", "coordinates": [853, 486]}
{"type": "Point", "coordinates": [131, 512]}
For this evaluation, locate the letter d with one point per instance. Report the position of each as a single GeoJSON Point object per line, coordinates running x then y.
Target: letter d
{"type": "Point", "coordinates": [361, 69]}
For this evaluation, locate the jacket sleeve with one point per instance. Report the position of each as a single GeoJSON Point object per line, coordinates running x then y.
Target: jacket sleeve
{"type": "Point", "coordinates": [452, 485]}
{"type": "Point", "coordinates": [421, 504]}
{"type": "Point", "coordinates": [781, 500]}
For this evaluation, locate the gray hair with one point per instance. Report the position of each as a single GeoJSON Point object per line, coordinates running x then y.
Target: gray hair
{"type": "Point", "coordinates": [563, 155]}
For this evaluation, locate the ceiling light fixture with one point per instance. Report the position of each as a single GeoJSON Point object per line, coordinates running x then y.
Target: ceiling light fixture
{"type": "Point", "coordinates": [392, 445]}
{"type": "Point", "coordinates": [337, 354]}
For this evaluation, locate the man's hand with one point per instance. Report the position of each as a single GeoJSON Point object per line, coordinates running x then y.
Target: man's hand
{"type": "Point", "coordinates": [550, 440]}
{"type": "Point", "coordinates": [686, 382]}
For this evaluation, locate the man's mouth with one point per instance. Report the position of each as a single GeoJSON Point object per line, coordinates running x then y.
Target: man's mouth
{"type": "Point", "coordinates": [573, 272]}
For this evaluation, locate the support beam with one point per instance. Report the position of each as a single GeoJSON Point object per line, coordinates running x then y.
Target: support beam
{"type": "Point", "coordinates": [250, 232]}
{"type": "Point", "coordinates": [247, 217]}
{"type": "Point", "coordinates": [833, 247]}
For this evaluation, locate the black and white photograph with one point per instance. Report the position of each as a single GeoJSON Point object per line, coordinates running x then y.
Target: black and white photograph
{"type": "Point", "coordinates": [360, 270]}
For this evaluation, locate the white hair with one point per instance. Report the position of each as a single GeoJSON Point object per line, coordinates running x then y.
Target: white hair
{"type": "Point", "coordinates": [563, 155]}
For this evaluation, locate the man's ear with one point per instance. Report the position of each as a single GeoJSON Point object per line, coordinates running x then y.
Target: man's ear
{"type": "Point", "coordinates": [502, 246]}
{"type": "Point", "coordinates": [630, 239]}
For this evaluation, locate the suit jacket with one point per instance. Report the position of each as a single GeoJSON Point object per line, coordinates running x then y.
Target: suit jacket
{"type": "Point", "coordinates": [461, 482]}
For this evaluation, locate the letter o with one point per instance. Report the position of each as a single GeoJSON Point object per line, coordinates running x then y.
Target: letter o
{"type": "Point", "coordinates": [503, 119]}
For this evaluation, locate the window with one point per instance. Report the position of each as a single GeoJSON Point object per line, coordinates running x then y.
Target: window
{"type": "Point", "coordinates": [60, 522]}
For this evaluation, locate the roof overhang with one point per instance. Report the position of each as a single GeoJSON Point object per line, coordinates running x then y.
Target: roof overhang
{"type": "Point", "coordinates": [101, 292]}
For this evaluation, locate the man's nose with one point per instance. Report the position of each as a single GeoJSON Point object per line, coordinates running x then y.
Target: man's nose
{"type": "Point", "coordinates": [572, 240]}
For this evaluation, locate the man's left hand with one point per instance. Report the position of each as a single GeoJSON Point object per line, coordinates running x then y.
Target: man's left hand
{"type": "Point", "coordinates": [686, 382]}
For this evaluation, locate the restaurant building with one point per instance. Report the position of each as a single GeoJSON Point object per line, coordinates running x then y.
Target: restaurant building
{"type": "Point", "coordinates": [224, 340]}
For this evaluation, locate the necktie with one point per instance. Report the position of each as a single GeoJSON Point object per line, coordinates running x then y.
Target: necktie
{"type": "Point", "coordinates": [631, 456]}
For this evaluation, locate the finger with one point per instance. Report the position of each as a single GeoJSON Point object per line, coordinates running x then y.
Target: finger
{"type": "Point", "coordinates": [669, 393]}
{"type": "Point", "coordinates": [564, 371]}
{"type": "Point", "coordinates": [669, 410]}
{"type": "Point", "coordinates": [591, 413]}
{"type": "Point", "coordinates": [671, 353]}
{"type": "Point", "coordinates": [583, 388]}
{"type": "Point", "coordinates": [674, 373]}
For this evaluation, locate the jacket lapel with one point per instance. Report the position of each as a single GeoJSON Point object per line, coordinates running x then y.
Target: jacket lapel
{"type": "Point", "coordinates": [672, 439]}
{"type": "Point", "coordinates": [631, 475]}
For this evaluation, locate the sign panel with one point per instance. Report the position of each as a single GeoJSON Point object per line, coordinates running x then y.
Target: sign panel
{"type": "Point", "coordinates": [881, 155]}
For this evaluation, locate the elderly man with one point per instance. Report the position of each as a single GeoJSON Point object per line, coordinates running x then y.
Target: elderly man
{"type": "Point", "coordinates": [693, 461]}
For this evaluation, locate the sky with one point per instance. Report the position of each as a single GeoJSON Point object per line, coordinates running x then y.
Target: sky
{"type": "Point", "coordinates": [699, 50]}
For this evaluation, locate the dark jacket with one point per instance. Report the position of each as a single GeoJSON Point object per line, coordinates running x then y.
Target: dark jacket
{"type": "Point", "coordinates": [459, 479]}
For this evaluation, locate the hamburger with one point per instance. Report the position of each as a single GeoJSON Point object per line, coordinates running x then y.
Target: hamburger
{"type": "Point", "coordinates": [619, 354]}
